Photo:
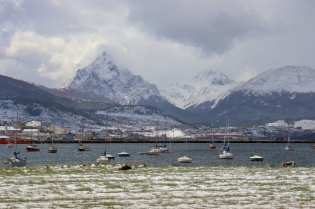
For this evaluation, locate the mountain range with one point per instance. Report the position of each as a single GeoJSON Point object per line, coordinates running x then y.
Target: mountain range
{"type": "Point", "coordinates": [208, 97]}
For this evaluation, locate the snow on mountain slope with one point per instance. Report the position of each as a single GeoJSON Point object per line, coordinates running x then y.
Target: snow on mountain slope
{"type": "Point", "coordinates": [206, 86]}
{"type": "Point", "coordinates": [297, 79]}
{"type": "Point", "coordinates": [103, 77]}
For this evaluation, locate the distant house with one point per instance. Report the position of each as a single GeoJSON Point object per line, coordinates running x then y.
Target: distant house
{"type": "Point", "coordinates": [6, 129]}
{"type": "Point", "coordinates": [34, 123]}
{"type": "Point", "coordinates": [62, 130]}
{"type": "Point", "coordinates": [52, 128]}
{"type": "Point", "coordinates": [31, 131]}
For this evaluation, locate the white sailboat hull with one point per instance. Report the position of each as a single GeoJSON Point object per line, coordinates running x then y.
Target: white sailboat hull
{"type": "Point", "coordinates": [184, 159]}
{"type": "Point", "coordinates": [226, 155]}
{"type": "Point", "coordinates": [14, 162]}
{"type": "Point", "coordinates": [289, 148]}
{"type": "Point", "coordinates": [102, 159]}
{"type": "Point", "coordinates": [154, 152]}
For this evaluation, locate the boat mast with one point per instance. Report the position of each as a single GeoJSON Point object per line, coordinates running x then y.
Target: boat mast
{"type": "Point", "coordinates": [228, 124]}
{"type": "Point", "coordinates": [288, 130]}
{"type": "Point", "coordinates": [212, 132]}
{"type": "Point", "coordinates": [157, 135]}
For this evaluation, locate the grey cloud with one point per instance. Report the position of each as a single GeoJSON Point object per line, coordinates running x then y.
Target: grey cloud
{"type": "Point", "coordinates": [199, 23]}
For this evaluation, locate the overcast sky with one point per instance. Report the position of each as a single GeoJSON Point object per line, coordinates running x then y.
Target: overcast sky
{"type": "Point", "coordinates": [164, 41]}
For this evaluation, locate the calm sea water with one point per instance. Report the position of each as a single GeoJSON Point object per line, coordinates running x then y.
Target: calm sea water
{"type": "Point", "coordinates": [274, 153]}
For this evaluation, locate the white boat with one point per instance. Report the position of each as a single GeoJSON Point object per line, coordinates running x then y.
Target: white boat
{"type": "Point", "coordinates": [288, 146]}
{"type": "Point", "coordinates": [185, 158]}
{"type": "Point", "coordinates": [105, 157]}
{"type": "Point", "coordinates": [123, 153]}
{"type": "Point", "coordinates": [154, 151]}
{"type": "Point", "coordinates": [225, 150]}
{"type": "Point", "coordinates": [102, 159]}
{"type": "Point", "coordinates": [256, 156]}
{"type": "Point", "coordinates": [226, 155]}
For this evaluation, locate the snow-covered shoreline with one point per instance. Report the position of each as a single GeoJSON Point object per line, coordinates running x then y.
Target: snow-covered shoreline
{"type": "Point", "coordinates": [94, 186]}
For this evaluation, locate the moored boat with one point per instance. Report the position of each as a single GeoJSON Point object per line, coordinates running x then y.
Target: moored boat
{"type": "Point", "coordinates": [52, 149]}
{"type": "Point", "coordinates": [256, 157]}
{"type": "Point", "coordinates": [184, 159]}
{"type": "Point", "coordinates": [32, 148]}
{"type": "Point", "coordinates": [83, 147]}
{"type": "Point", "coordinates": [226, 155]}
{"type": "Point", "coordinates": [123, 154]}
{"type": "Point", "coordinates": [225, 149]}
{"type": "Point", "coordinates": [211, 145]}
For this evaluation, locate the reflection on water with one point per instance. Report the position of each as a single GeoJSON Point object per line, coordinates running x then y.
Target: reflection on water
{"type": "Point", "coordinates": [274, 153]}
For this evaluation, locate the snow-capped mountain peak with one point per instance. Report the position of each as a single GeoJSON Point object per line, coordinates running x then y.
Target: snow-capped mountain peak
{"type": "Point", "coordinates": [212, 77]}
{"type": "Point", "coordinates": [204, 87]}
{"type": "Point", "coordinates": [104, 77]}
{"type": "Point", "coordinates": [298, 79]}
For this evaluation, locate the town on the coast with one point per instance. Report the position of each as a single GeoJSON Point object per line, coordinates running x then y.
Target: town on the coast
{"type": "Point", "coordinates": [43, 131]}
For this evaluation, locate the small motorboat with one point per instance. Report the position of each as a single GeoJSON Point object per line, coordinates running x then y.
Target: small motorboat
{"type": "Point", "coordinates": [256, 157]}
{"type": "Point", "coordinates": [313, 146]}
{"type": "Point", "coordinates": [32, 148]}
{"type": "Point", "coordinates": [123, 154]}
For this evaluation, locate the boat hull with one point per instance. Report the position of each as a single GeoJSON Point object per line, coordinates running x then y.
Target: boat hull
{"type": "Point", "coordinates": [289, 148]}
{"type": "Point", "coordinates": [123, 154]}
{"type": "Point", "coordinates": [256, 159]}
{"type": "Point", "coordinates": [52, 150]}
{"type": "Point", "coordinates": [184, 159]}
{"type": "Point", "coordinates": [32, 148]}
{"type": "Point", "coordinates": [16, 162]}
{"type": "Point", "coordinates": [226, 155]}
{"type": "Point", "coordinates": [102, 159]}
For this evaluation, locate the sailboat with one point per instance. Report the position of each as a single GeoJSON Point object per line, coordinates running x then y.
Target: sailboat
{"type": "Point", "coordinates": [225, 149]}
{"type": "Point", "coordinates": [256, 156]}
{"type": "Point", "coordinates": [211, 145]}
{"type": "Point", "coordinates": [185, 158]}
{"type": "Point", "coordinates": [105, 157]}
{"type": "Point", "coordinates": [15, 160]}
{"type": "Point", "coordinates": [81, 146]}
{"type": "Point", "coordinates": [162, 147]}
{"type": "Point", "coordinates": [289, 147]}
{"type": "Point", "coordinates": [52, 148]}
{"type": "Point", "coordinates": [124, 153]}
{"type": "Point", "coordinates": [155, 150]}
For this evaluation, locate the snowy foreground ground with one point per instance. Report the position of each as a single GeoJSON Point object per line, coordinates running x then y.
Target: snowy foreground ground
{"type": "Point", "coordinates": [91, 186]}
